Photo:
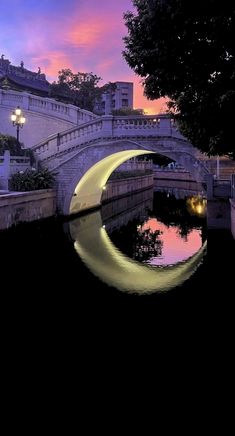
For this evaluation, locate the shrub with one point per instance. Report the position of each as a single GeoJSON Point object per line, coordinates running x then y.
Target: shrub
{"type": "Point", "coordinates": [31, 180]}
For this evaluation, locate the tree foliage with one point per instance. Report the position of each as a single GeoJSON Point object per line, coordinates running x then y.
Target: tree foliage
{"type": "Point", "coordinates": [79, 88]}
{"type": "Point", "coordinates": [186, 51]}
{"type": "Point", "coordinates": [125, 111]}
{"type": "Point", "coordinates": [61, 91]}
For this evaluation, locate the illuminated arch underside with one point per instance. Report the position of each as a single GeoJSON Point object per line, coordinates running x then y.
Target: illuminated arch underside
{"type": "Point", "coordinates": [100, 255]}
{"type": "Point", "coordinates": [89, 190]}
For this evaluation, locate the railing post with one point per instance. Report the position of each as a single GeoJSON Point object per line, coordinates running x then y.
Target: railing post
{"type": "Point", "coordinates": [107, 125]}
{"type": "Point", "coordinates": [25, 103]}
{"type": "Point", "coordinates": [58, 140]}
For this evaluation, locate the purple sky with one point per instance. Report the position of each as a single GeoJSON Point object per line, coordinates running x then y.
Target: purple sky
{"type": "Point", "coordinates": [83, 35]}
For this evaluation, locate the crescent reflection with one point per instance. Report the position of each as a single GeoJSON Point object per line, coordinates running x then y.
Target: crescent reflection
{"type": "Point", "coordinates": [114, 268]}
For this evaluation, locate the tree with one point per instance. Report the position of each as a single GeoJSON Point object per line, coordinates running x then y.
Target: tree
{"type": "Point", "coordinates": [186, 51]}
{"type": "Point", "coordinates": [79, 88]}
{"type": "Point", "coordinates": [61, 91]}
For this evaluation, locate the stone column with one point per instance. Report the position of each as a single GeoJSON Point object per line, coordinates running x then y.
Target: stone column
{"type": "Point", "coordinates": [107, 125]}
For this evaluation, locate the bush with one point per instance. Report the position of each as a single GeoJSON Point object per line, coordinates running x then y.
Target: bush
{"type": "Point", "coordinates": [126, 111]}
{"type": "Point", "coordinates": [31, 180]}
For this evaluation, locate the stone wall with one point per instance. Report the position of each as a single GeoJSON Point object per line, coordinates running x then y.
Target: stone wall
{"type": "Point", "coordinates": [218, 214]}
{"type": "Point", "coordinates": [19, 207]}
{"type": "Point", "coordinates": [172, 174]}
{"type": "Point", "coordinates": [119, 188]}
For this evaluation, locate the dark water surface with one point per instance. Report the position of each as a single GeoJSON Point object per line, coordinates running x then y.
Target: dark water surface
{"type": "Point", "coordinates": [49, 287]}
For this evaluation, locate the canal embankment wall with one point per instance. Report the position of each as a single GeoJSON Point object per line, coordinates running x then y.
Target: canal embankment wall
{"type": "Point", "coordinates": [17, 207]}
{"type": "Point", "coordinates": [124, 186]}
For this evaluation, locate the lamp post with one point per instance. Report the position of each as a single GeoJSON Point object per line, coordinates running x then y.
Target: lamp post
{"type": "Point", "coordinates": [18, 120]}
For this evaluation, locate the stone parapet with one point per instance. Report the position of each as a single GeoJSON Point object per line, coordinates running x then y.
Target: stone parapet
{"type": "Point", "coordinates": [44, 116]}
{"type": "Point", "coordinates": [16, 207]}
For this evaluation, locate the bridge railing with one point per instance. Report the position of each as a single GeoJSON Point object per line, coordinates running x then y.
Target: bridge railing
{"type": "Point", "coordinates": [106, 127]}
{"type": "Point", "coordinates": [135, 165]}
{"type": "Point", "coordinates": [46, 106]}
{"type": "Point", "coordinates": [68, 140]}
{"type": "Point", "coordinates": [161, 125]}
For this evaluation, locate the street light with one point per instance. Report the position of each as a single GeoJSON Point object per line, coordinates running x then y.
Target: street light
{"type": "Point", "coordinates": [18, 120]}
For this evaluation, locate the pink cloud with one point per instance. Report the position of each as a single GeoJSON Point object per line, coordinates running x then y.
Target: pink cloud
{"type": "Point", "coordinates": [86, 37]}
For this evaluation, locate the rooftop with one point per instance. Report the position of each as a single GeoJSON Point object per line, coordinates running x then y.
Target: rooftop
{"type": "Point", "coordinates": [22, 77]}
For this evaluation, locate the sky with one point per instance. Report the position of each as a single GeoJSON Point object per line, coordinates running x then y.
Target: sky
{"type": "Point", "coordinates": [175, 248]}
{"type": "Point", "coordinates": [83, 35]}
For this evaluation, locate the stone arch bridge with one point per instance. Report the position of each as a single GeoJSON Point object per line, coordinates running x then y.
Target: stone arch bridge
{"type": "Point", "coordinates": [84, 156]}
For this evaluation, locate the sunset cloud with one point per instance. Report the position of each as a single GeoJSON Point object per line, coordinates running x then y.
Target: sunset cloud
{"type": "Point", "coordinates": [83, 35]}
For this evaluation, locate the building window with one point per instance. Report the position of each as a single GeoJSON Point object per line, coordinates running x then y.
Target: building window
{"type": "Point", "coordinates": [125, 102]}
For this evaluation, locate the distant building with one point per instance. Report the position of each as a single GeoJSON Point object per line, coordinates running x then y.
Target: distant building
{"type": "Point", "coordinates": [21, 79]}
{"type": "Point", "coordinates": [120, 97]}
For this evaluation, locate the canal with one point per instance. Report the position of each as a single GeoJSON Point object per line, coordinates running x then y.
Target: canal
{"type": "Point", "coordinates": [141, 259]}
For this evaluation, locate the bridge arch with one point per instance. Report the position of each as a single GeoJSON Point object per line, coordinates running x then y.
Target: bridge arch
{"type": "Point", "coordinates": [89, 189]}
{"type": "Point", "coordinates": [81, 178]}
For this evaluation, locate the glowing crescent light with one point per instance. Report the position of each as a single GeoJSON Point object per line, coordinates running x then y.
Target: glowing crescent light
{"type": "Point", "coordinates": [105, 261]}
{"type": "Point", "coordinates": [90, 187]}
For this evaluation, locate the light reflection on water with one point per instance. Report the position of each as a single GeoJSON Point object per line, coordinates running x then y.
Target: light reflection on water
{"type": "Point", "coordinates": [121, 251]}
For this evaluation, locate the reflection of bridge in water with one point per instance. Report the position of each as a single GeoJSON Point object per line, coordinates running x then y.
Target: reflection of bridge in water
{"type": "Point", "coordinates": [119, 212]}
{"type": "Point", "coordinates": [106, 261]}
{"type": "Point", "coordinates": [179, 188]}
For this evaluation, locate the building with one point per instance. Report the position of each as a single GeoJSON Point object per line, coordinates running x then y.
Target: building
{"type": "Point", "coordinates": [21, 79]}
{"type": "Point", "coordinates": [18, 78]}
{"type": "Point", "coordinates": [121, 96]}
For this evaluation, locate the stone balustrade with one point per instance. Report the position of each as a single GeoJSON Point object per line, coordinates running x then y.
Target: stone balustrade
{"type": "Point", "coordinates": [106, 127]}
{"type": "Point", "coordinates": [44, 116]}
{"type": "Point", "coordinates": [152, 124]}
{"type": "Point", "coordinates": [49, 106]}
{"type": "Point", "coordinates": [10, 165]}
{"type": "Point", "coordinates": [71, 138]}
{"type": "Point", "coordinates": [136, 165]}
